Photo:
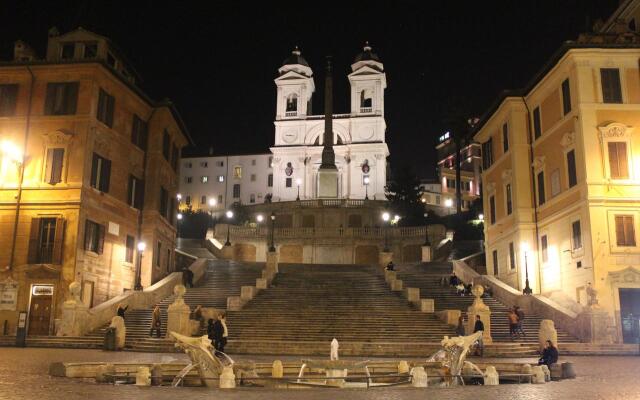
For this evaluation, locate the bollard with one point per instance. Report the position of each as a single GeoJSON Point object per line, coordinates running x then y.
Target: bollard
{"type": "Point", "coordinates": [419, 377]}
{"type": "Point", "coordinates": [567, 370]}
{"type": "Point", "coordinates": [277, 370]}
{"type": "Point", "coordinates": [491, 377]}
{"type": "Point", "coordinates": [403, 367]}
{"type": "Point", "coordinates": [143, 377]}
{"type": "Point", "coordinates": [227, 378]}
{"type": "Point", "coordinates": [156, 375]}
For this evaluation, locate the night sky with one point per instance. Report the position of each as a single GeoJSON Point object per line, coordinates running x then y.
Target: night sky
{"type": "Point", "coordinates": [217, 60]}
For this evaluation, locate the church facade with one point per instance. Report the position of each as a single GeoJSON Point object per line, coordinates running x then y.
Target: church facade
{"type": "Point", "coordinates": [358, 137]}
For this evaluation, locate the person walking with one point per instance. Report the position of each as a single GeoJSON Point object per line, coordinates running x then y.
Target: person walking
{"type": "Point", "coordinates": [121, 310]}
{"type": "Point", "coordinates": [520, 315]}
{"type": "Point", "coordinates": [210, 332]}
{"type": "Point", "coordinates": [549, 354]}
{"type": "Point", "coordinates": [513, 323]}
{"type": "Point", "coordinates": [479, 327]}
{"type": "Point", "coordinates": [460, 328]}
{"type": "Point", "coordinates": [217, 331]}
{"type": "Point", "coordinates": [156, 322]}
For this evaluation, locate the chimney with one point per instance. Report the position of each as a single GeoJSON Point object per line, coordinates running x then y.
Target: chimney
{"type": "Point", "coordinates": [23, 52]}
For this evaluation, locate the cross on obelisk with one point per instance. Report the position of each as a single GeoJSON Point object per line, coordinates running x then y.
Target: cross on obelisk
{"type": "Point", "coordinates": [328, 172]}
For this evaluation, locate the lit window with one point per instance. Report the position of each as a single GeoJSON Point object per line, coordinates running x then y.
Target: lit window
{"type": "Point", "coordinates": [220, 178]}
{"type": "Point", "coordinates": [237, 172]}
{"type": "Point", "coordinates": [204, 179]}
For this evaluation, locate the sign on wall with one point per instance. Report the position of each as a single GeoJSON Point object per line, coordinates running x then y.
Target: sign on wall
{"type": "Point", "coordinates": [9, 295]}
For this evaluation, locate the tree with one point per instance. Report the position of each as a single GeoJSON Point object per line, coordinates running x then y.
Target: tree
{"type": "Point", "coordinates": [194, 224]}
{"type": "Point", "coordinates": [404, 194]}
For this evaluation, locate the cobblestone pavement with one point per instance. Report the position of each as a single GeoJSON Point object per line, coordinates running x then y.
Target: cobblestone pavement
{"type": "Point", "coordinates": [24, 375]}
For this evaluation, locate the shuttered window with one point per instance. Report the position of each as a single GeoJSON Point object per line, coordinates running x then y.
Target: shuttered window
{"type": "Point", "coordinates": [135, 196]}
{"type": "Point", "coordinates": [537, 127]}
{"type": "Point", "coordinates": [166, 145]}
{"type": "Point", "coordinates": [611, 89]}
{"type": "Point", "coordinates": [505, 137]}
{"type": "Point", "coordinates": [576, 231]}
{"type": "Point", "coordinates": [94, 237]}
{"type": "Point", "coordinates": [62, 98]}
{"type": "Point", "coordinates": [46, 241]}
{"type": "Point", "coordinates": [509, 202]}
{"type": "Point", "coordinates": [492, 207]}
{"type": "Point", "coordinates": [53, 166]}
{"type": "Point", "coordinates": [106, 104]}
{"type": "Point", "coordinates": [495, 262]}
{"type": "Point", "coordinates": [566, 97]}
{"type": "Point", "coordinates": [571, 168]}
{"type": "Point", "coordinates": [236, 191]}
{"type": "Point", "coordinates": [100, 173]}
{"type": "Point", "coordinates": [139, 132]}
{"type": "Point", "coordinates": [544, 245]}
{"type": "Point", "coordinates": [625, 231]}
{"type": "Point", "coordinates": [541, 196]}
{"type": "Point", "coordinates": [8, 100]}
{"type": "Point", "coordinates": [128, 256]}
{"type": "Point", "coordinates": [512, 256]}
{"type": "Point", "coordinates": [618, 163]}
{"type": "Point", "coordinates": [487, 154]}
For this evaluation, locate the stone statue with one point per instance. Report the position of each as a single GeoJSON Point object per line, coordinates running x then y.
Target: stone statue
{"type": "Point", "coordinates": [592, 300]}
{"type": "Point", "coordinates": [334, 349]}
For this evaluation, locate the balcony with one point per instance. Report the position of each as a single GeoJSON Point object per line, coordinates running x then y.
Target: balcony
{"type": "Point", "coordinates": [366, 109]}
{"type": "Point", "coordinates": [291, 114]}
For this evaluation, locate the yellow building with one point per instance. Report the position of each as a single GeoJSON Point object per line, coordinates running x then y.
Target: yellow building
{"type": "Point", "coordinates": [561, 180]}
{"type": "Point", "coordinates": [88, 169]}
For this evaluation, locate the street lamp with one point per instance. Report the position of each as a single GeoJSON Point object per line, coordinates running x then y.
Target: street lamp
{"type": "Point", "coordinates": [298, 183]}
{"type": "Point", "coordinates": [448, 203]}
{"type": "Point", "coordinates": [385, 218]}
{"type": "Point", "coordinates": [527, 289]}
{"type": "Point", "coordinates": [229, 215]}
{"type": "Point", "coordinates": [366, 187]}
{"type": "Point", "coordinates": [212, 204]}
{"type": "Point", "coordinates": [179, 197]}
{"type": "Point", "coordinates": [141, 247]}
{"type": "Point", "coordinates": [179, 216]}
{"type": "Point", "coordinates": [426, 230]}
{"type": "Point", "coordinates": [272, 248]}
{"type": "Point", "coordinates": [259, 218]}
{"type": "Point", "coordinates": [481, 217]}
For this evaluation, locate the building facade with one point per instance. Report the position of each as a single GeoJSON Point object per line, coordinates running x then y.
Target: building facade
{"type": "Point", "coordinates": [359, 137]}
{"type": "Point", "coordinates": [561, 180]}
{"type": "Point", "coordinates": [470, 171]}
{"type": "Point", "coordinates": [88, 169]}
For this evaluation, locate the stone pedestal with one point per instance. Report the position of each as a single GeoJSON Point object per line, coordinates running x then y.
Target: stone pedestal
{"type": "Point", "coordinates": [384, 257]}
{"type": "Point", "coordinates": [403, 367]}
{"type": "Point", "coordinates": [491, 377]}
{"type": "Point", "coordinates": [449, 317]}
{"type": "Point", "coordinates": [594, 326]}
{"type": "Point", "coordinates": [396, 285]}
{"type": "Point", "coordinates": [479, 308]}
{"type": "Point", "coordinates": [389, 276]}
{"type": "Point", "coordinates": [426, 253]}
{"type": "Point", "coordinates": [412, 295]}
{"type": "Point", "coordinates": [427, 305]}
{"type": "Point", "coordinates": [335, 377]}
{"type": "Point", "coordinates": [234, 303]}
{"type": "Point", "coordinates": [178, 314]}
{"type": "Point", "coordinates": [419, 377]}
{"type": "Point", "coordinates": [261, 283]}
{"type": "Point", "coordinates": [227, 378]}
{"type": "Point", "coordinates": [277, 370]}
{"type": "Point", "coordinates": [328, 183]}
{"type": "Point", "coordinates": [272, 261]}
{"type": "Point", "coordinates": [546, 332]}
{"type": "Point", "coordinates": [247, 293]}
{"type": "Point", "coordinates": [121, 331]}
{"type": "Point", "coordinates": [75, 314]}
{"type": "Point", "coordinates": [143, 376]}
{"type": "Point", "coordinates": [227, 252]}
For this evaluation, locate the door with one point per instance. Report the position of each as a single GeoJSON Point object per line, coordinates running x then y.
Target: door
{"type": "Point", "coordinates": [630, 315]}
{"type": "Point", "coordinates": [87, 293]}
{"type": "Point", "coordinates": [40, 310]}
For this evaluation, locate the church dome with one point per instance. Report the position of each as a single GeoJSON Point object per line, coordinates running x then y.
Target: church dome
{"type": "Point", "coordinates": [367, 54]}
{"type": "Point", "coordinates": [295, 58]}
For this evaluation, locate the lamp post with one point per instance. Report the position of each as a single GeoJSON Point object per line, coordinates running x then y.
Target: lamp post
{"type": "Point", "coordinates": [527, 289]}
{"type": "Point", "coordinates": [212, 204]}
{"type": "Point", "coordinates": [259, 219]}
{"type": "Point", "coordinates": [272, 248]}
{"type": "Point", "coordinates": [229, 215]}
{"type": "Point", "coordinates": [366, 187]}
{"type": "Point", "coordinates": [141, 247]}
{"type": "Point", "coordinates": [426, 230]}
{"type": "Point", "coordinates": [385, 218]}
{"type": "Point", "coordinates": [179, 216]}
{"type": "Point", "coordinates": [14, 154]}
{"type": "Point", "coordinates": [481, 217]}
{"type": "Point", "coordinates": [298, 183]}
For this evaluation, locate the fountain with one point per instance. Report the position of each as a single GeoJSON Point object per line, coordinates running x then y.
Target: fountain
{"type": "Point", "coordinates": [453, 357]}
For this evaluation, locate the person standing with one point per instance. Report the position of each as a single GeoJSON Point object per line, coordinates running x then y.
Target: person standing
{"type": "Point", "coordinates": [460, 328]}
{"type": "Point", "coordinates": [549, 354]}
{"type": "Point", "coordinates": [513, 323]}
{"type": "Point", "coordinates": [210, 332]}
{"type": "Point", "coordinates": [217, 331]}
{"type": "Point", "coordinates": [479, 327]}
{"type": "Point", "coordinates": [156, 322]}
{"type": "Point", "coordinates": [121, 310]}
{"type": "Point", "coordinates": [225, 332]}
{"type": "Point", "coordinates": [520, 315]}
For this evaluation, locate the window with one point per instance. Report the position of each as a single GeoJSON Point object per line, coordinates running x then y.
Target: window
{"type": "Point", "coordinates": [508, 195]}
{"type": "Point", "coordinates": [62, 98]}
{"type": "Point", "coordinates": [288, 182]}
{"type": "Point", "coordinates": [555, 182]}
{"type": "Point", "coordinates": [292, 103]}
{"type": "Point", "coordinates": [492, 209]}
{"type": "Point", "coordinates": [90, 50]}
{"type": "Point", "coordinates": [219, 199]}
{"type": "Point", "coordinates": [437, 200]}
{"type": "Point", "coordinates": [451, 183]}
{"type": "Point", "coordinates": [252, 198]}
{"type": "Point", "coordinates": [236, 191]}
{"type": "Point", "coordinates": [270, 180]}
{"type": "Point", "coordinates": [537, 128]}
{"type": "Point", "coordinates": [505, 137]}
{"type": "Point", "coordinates": [204, 179]}
{"type": "Point", "coordinates": [237, 172]}
{"type": "Point", "coordinates": [135, 196]}
{"type": "Point", "coordinates": [366, 100]}
{"type": "Point", "coordinates": [128, 255]}
{"type": "Point", "coordinates": [220, 163]}
{"type": "Point", "coordinates": [625, 232]}
{"type": "Point", "coordinates": [100, 173]}
{"type": "Point", "coordinates": [571, 168]}
{"type": "Point", "coordinates": [487, 154]}
{"type": "Point", "coordinates": [541, 197]}
{"type": "Point", "coordinates": [204, 164]}
{"type": "Point", "coordinates": [53, 168]}
{"type": "Point", "coordinates": [544, 248]}
{"type": "Point", "coordinates": [576, 231]}
{"type": "Point", "coordinates": [188, 164]}
{"type": "Point", "coordinates": [495, 262]}
{"type": "Point", "coordinates": [512, 256]}
{"type": "Point", "coordinates": [611, 89]}
{"type": "Point", "coordinates": [175, 155]}
{"type": "Point", "coordinates": [253, 177]}
{"type": "Point", "coordinates": [8, 100]}
{"type": "Point", "coordinates": [105, 108]}
{"type": "Point", "coordinates": [93, 237]}
{"type": "Point", "coordinates": [164, 202]}
{"type": "Point", "coordinates": [45, 241]}
{"type": "Point", "coordinates": [220, 178]}
{"type": "Point", "coordinates": [203, 200]}
{"type": "Point", "coordinates": [566, 97]}
{"type": "Point", "coordinates": [188, 179]}
{"type": "Point", "coordinates": [187, 200]}
{"type": "Point", "coordinates": [270, 165]}
{"type": "Point", "coordinates": [618, 164]}
{"type": "Point", "coordinates": [67, 51]}
{"type": "Point", "coordinates": [139, 131]}
{"type": "Point", "coordinates": [253, 162]}
{"type": "Point", "coordinates": [158, 254]}
{"type": "Point", "coordinates": [166, 144]}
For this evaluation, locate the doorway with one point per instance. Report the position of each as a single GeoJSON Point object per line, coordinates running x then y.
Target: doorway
{"type": "Point", "coordinates": [630, 315]}
{"type": "Point", "coordinates": [40, 310]}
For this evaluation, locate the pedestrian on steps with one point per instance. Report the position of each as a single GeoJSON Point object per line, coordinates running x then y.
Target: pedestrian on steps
{"type": "Point", "coordinates": [187, 278]}
{"type": "Point", "coordinates": [479, 327]}
{"type": "Point", "coordinates": [513, 323]}
{"type": "Point", "coordinates": [156, 322]}
{"type": "Point", "coordinates": [391, 266]}
{"type": "Point", "coordinates": [453, 280]}
{"type": "Point", "coordinates": [220, 333]}
{"type": "Point", "coordinates": [121, 310]}
{"type": "Point", "coordinates": [520, 315]}
{"type": "Point", "coordinates": [460, 328]}
{"type": "Point", "coordinates": [210, 332]}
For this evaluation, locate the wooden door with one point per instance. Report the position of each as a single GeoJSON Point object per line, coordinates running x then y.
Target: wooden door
{"type": "Point", "coordinates": [40, 315]}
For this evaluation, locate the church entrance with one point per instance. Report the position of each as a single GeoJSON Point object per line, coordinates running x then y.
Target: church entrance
{"type": "Point", "coordinates": [40, 309]}
{"type": "Point", "coordinates": [630, 315]}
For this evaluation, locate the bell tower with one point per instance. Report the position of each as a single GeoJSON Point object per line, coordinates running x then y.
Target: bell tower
{"type": "Point", "coordinates": [295, 87]}
{"type": "Point", "coordinates": [368, 82]}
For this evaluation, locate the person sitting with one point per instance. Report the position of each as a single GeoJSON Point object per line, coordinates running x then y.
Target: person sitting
{"type": "Point", "coordinates": [121, 310]}
{"type": "Point", "coordinates": [460, 328]}
{"type": "Point", "coordinates": [549, 354]}
{"type": "Point", "coordinates": [453, 280]}
{"type": "Point", "coordinates": [467, 289]}
{"type": "Point", "coordinates": [391, 266]}
{"type": "Point", "coordinates": [460, 289]}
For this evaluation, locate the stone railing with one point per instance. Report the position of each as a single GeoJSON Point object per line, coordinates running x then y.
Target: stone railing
{"type": "Point", "coordinates": [319, 203]}
{"type": "Point", "coordinates": [101, 314]}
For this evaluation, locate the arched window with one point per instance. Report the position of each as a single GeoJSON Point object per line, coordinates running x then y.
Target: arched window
{"type": "Point", "coordinates": [366, 100]}
{"type": "Point", "coordinates": [292, 103]}
{"type": "Point", "coordinates": [339, 140]}
{"type": "Point", "coordinates": [317, 141]}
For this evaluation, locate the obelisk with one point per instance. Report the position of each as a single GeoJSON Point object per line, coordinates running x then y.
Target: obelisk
{"type": "Point", "coordinates": [328, 172]}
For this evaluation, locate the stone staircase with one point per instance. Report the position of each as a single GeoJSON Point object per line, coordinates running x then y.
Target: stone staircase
{"type": "Point", "coordinates": [427, 276]}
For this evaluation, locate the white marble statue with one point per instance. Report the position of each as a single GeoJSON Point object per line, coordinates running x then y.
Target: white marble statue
{"type": "Point", "coordinates": [334, 350]}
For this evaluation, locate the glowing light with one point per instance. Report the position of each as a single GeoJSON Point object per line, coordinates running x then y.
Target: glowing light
{"type": "Point", "coordinates": [229, 214]}
{"type": "Point", "coordinates": [366, 180]}
{"type": "Point", "coordinates": [179, 196]}
{"type": "Point", "coordinates": [481, 217]}
{"type": "Point", "coordinates": [424, 200]}
{"type": "Point", "coordinates": [11, 151]}
{"type": "Point", "coordinates": [448, 203]}
{"type": "Point", "coordinates": [386, 216]}
{"type": "Point", "coordinates": [212, 202]}
{"type": "Point", "coordinates": [179, 216]}
{"type": "Point", "coordinates": [259, 218]}
{"type": "Point", "coordinates": [298, 181]}
{"type": "Point", "coordinates": [524, 246]}
{"type": "Point", "coordinates": [142, 246]}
